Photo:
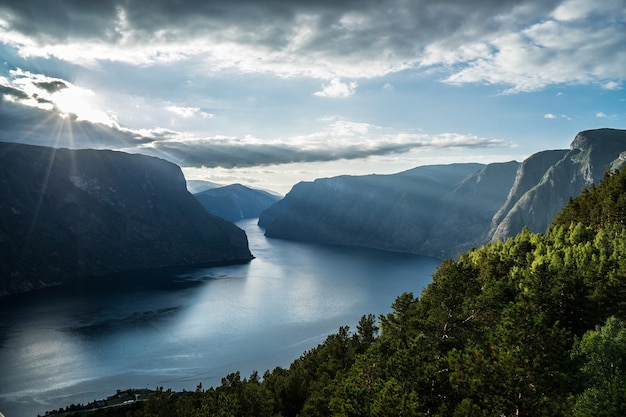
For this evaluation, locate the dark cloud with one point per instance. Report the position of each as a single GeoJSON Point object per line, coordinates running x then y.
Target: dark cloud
{"type": "Point", "coordinates": [469, 41]}
{"type": "Point", "coordinates": [52, 86]}
{"type": "Point", "coordinates": [23, 124]}
{"type": "Point", "coordinates": [231, 154]}
{"type": "Point", "coordinates": [60, 19]}
{"type": "Point", "coordinates": [236, 156]}
{"type": "Point", "coordinates": [13, 92]}
{"type": "Point", "coordinates": [340, 28]}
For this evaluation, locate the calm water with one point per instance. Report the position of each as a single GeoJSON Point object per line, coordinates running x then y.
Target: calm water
{"type": "Point", "coordinates": [175, 329]}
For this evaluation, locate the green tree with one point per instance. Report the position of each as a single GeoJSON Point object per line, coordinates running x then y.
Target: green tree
{"type": "Point", "coordinates": [603, 355]}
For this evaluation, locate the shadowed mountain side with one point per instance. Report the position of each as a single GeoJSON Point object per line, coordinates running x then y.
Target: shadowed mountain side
{"type": "Point", "coordinates": [69, 214]}
{"type": "Point", "coordinates": [390, 212]}
{"type": "Point", "coordinates": [235, 202]}
{"type": "Point", "coordinates": [557, 176]}
{"type": "Point", "coordinates": [464, 219]}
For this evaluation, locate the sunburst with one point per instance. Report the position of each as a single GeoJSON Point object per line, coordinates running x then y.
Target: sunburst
{"type": "Point", "coordinates": [82, 103]}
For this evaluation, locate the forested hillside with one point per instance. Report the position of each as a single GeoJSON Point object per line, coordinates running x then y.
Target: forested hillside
{"type": "Point", "coordinates": [533, 326]}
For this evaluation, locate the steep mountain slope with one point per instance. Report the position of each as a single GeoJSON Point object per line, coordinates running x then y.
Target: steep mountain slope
{"type": "Point", "coordinates": [529, 174]}
{"type": "Point", "coordinates": [545, 182]}
{"type": "Point", "coordinates": [67, 214]}
{"type": "Point", "coordinates": [235, 202]}
{"type": "Point", "coordinates": [399, 212]}
{"type": "Point", "coordinates": [463, 220]}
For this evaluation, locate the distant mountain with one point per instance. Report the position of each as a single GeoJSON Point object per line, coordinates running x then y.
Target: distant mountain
{"type": "Point", "coordinates": [197, 186]}
{"type": "Point", "coordinates": [235, 202]}
{"type": "Point", "coordinates": [443, 210]}
{"type": "Point", "coordinates": [67, 214]}
{"type": "Point", "coordinates": [398, 212]}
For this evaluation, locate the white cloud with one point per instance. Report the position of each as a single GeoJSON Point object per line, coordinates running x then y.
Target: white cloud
{"type": "Point", "coordinates": [554, 116]}
{"type": "Point", "coordinates": [612, 85]}
{"type": "Point", "coordinates": [571, 50]}
{"type": "Point", "coordinates": [188, 112]}
{"type": "Point", "coordinates": [336, 89]}
{"type": "Point", "coordinates": [602, 115]}
{"type": "Point", "coordinates": [574, 9]}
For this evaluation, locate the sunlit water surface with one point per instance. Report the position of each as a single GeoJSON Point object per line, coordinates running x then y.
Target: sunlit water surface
{"type": "Point", "coordinates": [178, 328]}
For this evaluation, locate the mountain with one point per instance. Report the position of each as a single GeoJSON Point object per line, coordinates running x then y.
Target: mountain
{"type": "Point", "coordinates": [197, 186]}
{"type": "Point", "coordinates": [444, 210]}
{"type": "Point", "coordinates": [235, 202]}
{"type": "Point", "coordinates": [67, 214]}
{"type": "Point", "coordinates": [464, 219]}
{"type": "Point", "coordinates": [547, 180]}
{"type": "Point", "coordinates": [398, 212]}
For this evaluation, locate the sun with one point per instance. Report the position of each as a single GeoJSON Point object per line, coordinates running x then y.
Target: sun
{"type": "Point", "coordinates": [82, 103]}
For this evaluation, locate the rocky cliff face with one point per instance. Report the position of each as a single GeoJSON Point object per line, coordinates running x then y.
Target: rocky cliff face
{"type": "Point", "coordinates": [445, 210]}
{"type": "Point", "coordinates": [547, 180]}
{"type": "Point", "coordinates": [67, 214]}
{"type": "Point", "coordinates": [235, 202]}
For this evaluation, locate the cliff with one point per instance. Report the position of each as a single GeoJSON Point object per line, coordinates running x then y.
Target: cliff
{"type": "Point", "coordinates": [547, 180]}
{"type": "Point", "coordinates": [68, 214]}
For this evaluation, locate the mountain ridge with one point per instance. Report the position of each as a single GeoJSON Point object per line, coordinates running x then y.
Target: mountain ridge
{"type": "Point", "coordinates": [437, 212]}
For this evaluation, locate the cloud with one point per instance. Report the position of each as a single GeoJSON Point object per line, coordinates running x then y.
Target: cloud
{"type": "Point", "coordinates": [567, 47]}
{"type": "Point", "coordinates": [35, 126]}
{"type": "Point", "coordinates": [24, 122]}
{"type": "Point", "coordinates": [602, 115]}
{"type": "Point", "coordinates": [341, 141]}
{"type": "Point", "coordinates": [187, 112]}
{"type": "Point", "coordinates": [54, 94]}
{"type": "Point", "coordinates": [52, 86]}
{"type": "Point", "coordinates": [612, 85]}
{"type": "Point", "coordinates": [337, 89]}
{"type": "Point", "coordinates": [523, 46]}
{"type": "Point", "coordinates": [554, 116]}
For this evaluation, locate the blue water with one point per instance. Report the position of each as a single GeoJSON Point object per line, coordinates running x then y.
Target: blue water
{"type": "Point", "coordinates": [177, 328]}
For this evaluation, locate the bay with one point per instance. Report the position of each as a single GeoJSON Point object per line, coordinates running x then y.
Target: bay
{"type": "Point", "coordinates": [179, 327]}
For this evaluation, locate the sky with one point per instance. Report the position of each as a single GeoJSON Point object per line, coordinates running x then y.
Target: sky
{"type": "Point", "coordinates": [268, 93]}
